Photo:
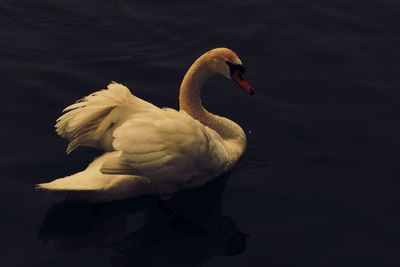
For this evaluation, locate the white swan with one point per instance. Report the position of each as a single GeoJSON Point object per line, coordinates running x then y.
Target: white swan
{"type": "Point", "coordinates": [150, 150]}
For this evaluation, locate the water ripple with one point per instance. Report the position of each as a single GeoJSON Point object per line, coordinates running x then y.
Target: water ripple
{"type": "Point", "coordinates": [258, 156]}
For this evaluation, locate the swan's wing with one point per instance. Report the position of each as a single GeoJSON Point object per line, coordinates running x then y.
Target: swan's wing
{"type": "Point", "coordinates": [166, 145]}
{"type": "Point", "coordinates": [85, 122]}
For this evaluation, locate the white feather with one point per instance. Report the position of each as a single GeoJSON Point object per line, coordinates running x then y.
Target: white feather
{"type": "Point", "coordinates": [166, 145]}
{"type": "Point", "coordinates": [93, 186]}
{"type": "Point", "coordinates": [86, 122]}
{"type": "Point", "coordinates": [153, 150]}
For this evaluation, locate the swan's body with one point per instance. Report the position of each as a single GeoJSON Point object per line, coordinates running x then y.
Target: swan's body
{"type": "Point", "coordinates": [151, 150]}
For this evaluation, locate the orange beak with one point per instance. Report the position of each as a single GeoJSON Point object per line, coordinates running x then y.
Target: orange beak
{"type": "Point", "coordinates": [237, 76]}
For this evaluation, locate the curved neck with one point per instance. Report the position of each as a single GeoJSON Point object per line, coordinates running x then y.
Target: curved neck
{"type": "Point", "coordinates": [189, 94]}
{"type": "Point", "coordinates": [190, 102]}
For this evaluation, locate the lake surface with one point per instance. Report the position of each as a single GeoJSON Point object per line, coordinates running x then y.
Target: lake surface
{"type": "Point", "coordinates": [318, 186]}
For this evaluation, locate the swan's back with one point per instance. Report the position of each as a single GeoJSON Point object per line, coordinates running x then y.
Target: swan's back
{"type": "Point", "coordinates": [167, 146]}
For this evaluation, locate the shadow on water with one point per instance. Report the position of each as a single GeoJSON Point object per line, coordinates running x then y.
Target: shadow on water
{"type": "Point", "coordinates": [187, 230]}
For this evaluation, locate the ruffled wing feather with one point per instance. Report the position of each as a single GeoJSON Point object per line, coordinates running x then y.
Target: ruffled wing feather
{"type": "Point", "coordinates": [80, 121]}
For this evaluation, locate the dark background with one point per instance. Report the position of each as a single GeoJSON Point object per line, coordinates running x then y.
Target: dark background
{"type": "Point", "coordinates": [318, 186]}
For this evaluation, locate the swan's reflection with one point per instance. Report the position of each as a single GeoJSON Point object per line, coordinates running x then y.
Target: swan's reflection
{"type": "Point", "coordinates": [187, 230]}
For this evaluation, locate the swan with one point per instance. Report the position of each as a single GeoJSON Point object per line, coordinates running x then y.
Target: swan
{"type": "Point", "coordinates": [152, 150]}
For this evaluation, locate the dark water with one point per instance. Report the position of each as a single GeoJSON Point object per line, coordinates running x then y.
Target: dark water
{"type": "Point", "coordinates": [318, 186]}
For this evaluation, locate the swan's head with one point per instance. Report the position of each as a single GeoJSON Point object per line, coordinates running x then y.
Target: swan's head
{"type": "Point", "coordinates": [227, 63]}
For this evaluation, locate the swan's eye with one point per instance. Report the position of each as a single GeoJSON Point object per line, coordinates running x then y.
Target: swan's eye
{"type": "Point", "coordinates": [235, 67]}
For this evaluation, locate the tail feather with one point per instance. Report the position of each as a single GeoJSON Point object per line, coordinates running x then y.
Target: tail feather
{"type": "Point", "coordinates": [93, 186]}
{"type": "Point", "coordinates": [79, 123]}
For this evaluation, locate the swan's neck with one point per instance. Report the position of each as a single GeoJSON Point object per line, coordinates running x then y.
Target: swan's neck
{"type": "Point", "coordinates": [190, 102]}
{"type": "Point", "coordinates": [189, 94]}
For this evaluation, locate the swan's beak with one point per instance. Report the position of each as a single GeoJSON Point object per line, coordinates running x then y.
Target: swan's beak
{"type": "Point", "coordinates": [237, 76]}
